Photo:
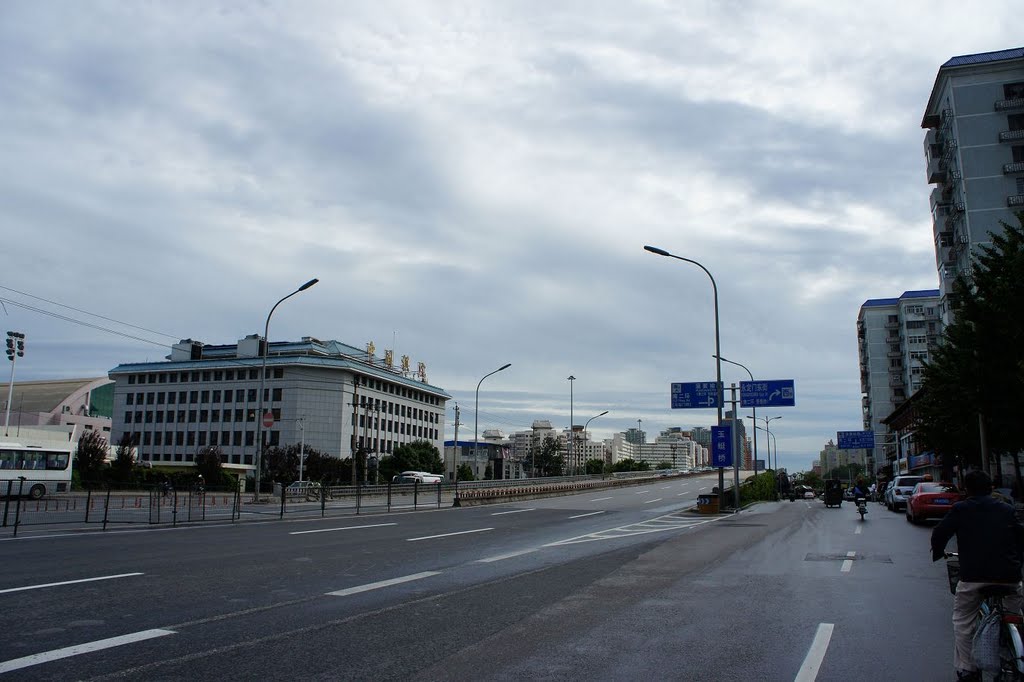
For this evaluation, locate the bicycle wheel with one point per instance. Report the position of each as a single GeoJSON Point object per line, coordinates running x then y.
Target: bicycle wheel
{"type": "Point", "coordinates": [1011, 655]}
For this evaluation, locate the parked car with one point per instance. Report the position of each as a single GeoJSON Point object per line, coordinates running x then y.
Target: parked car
{"type": "Point", "coordinates": [931, 501]}
{"type": "Point", "coordinates": [900, 489]}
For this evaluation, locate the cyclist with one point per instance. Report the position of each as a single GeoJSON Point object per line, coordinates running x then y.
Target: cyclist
{"type": "Point", "coordinates": [990, 541]}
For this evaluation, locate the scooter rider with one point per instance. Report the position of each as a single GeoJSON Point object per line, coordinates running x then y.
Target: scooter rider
{"type": "Point", "coordinates": [990, 541]}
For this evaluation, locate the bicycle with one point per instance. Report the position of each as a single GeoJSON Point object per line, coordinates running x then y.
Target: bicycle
{"type": "Point", "coordinates": [1010, 647]}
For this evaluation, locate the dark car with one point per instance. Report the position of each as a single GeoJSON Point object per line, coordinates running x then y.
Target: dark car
{"type": "Point", "coordinates": [931, 501]}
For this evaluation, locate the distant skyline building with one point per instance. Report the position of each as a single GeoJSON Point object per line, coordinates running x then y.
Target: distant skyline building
{"type": "Point", "coordinates": [894, 339]}
{"type": "Point", "coordinates": [974, 154]}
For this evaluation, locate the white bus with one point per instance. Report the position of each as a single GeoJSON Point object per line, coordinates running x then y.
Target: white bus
{"type": "Point", "coordinates": [46, 469]}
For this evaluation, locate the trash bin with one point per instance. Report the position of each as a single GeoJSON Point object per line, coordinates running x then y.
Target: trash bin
{"type": "Point", "coordinates": [707, 504]}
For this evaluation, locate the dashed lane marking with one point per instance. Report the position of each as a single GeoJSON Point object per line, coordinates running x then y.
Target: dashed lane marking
{"type": "Point", "coordinates": [75, 650]}
{"type": "Point", "coordinates": [383, 583]}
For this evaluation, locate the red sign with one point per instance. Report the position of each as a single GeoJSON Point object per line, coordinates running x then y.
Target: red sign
{"type": "Point", "coordinates": [268, 419]}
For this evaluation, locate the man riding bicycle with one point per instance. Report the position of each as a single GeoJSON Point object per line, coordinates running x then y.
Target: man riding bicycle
{"type": "Point", "coordinates": [990, 541]}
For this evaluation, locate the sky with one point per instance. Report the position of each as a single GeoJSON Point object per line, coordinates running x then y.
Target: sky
{"type": "Point", "coordinates": [473, 184]}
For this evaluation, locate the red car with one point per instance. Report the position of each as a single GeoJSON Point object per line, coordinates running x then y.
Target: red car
{"type": "Point", "coordinates": [931, 501]}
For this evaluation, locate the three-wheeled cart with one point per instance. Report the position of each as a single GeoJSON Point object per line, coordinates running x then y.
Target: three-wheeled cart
{"type": "Point", "coordinates": [833, 492]}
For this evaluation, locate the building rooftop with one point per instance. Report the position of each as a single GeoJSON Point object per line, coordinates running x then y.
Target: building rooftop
{"type": "Point", "coordinates": [985, 57]}
{"type": "Point", "coordinates": [922, 293]}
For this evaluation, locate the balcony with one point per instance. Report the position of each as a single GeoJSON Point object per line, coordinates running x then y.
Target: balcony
{"type": "Point", "coordinates": [937, 170]}
{"type": "Point", "coordinates": [1013, 167]}
{"type": "Point", "coordinates": [1015, 200]}
{"type": "Point", "coordinates": [897, 381]}
{"type": "Point", "coordinates": [1010, 136]}
{"type": "Point", "coordinates": [1009, 104]}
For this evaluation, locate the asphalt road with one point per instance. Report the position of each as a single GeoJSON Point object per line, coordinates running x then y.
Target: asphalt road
{"type": "Point", "coordinates": [613, 585]}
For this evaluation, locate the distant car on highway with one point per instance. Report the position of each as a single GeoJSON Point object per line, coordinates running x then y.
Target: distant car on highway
{"type": "Point", "coordinates": [417, 477]}
{"type": "Point", "coordinates": [931, 501]}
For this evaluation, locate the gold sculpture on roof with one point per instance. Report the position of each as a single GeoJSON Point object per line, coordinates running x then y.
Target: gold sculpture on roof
{"type": "Point", "coordinates": [389, 359]}
{"type": "Point", "coordinates": [370, 349]}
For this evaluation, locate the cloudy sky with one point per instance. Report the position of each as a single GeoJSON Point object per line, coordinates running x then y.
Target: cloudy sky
{"type": "Point", "coordinates": [473, 183]}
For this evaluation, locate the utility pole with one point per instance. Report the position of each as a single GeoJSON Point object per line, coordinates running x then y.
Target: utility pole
{"type": "Point", "coordinates": [455, 447]}
{"type": "Point", "coordinates": [355, 425]}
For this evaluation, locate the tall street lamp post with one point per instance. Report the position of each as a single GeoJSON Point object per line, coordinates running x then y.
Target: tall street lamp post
{"type": "Point", "coordinates": [476, 421]}
{"type": "Point", "coordinates": [718, 363]}
{"type": "Point", "coordinates": [263, 381]}
{"type": "Point", "coordinates": [572, 434]}
{"type": "Point", "coordinates": [752, 409]}
{"type": "Point", "coordinates": [585, 430]}
{"type": "Point", "coordinates": [775, 478]}
{"type": "Point", "coordinates": [15, 350]}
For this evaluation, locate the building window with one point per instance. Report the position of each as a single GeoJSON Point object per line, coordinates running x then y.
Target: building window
{"type": "Point", "coordinates": [251, 394]}
{"type": "Point", "coordinates": [206, 376]}
{"type": "Point", "coordinates": [179, 438]}
{"type": "Point", "coordinates": [193, 396]}
{"type": "Point", "coordinates": [250, 438]}
{"type": "Point", "coordinates": [1016, 121]}
{"type": "Point", "coordinates": [195, 377]}
{"type": "Point", "coordinates": [229, 396]}
{"type": "Point", "coordinates": [150, 398]}
{"type": "Point", "coordinates": [218, 375]}
{"type": "Point", "coordinates": [229, 375]}
{"type": "Point", "coordinates": [130, 399]}
{"type": "Point", "coordinates": [276, 394]}
{"type": "Point", "coordinates": [160, 398]}
{"type": "Point", "coordinates": [131, 378]}
{"type": "Point", "coordinates": [239, 416]}
{"type": "Point", "coordinates": [171, 397]}
{"type": "Point", "coordinates": [275, 438]}
{"type": "Point", "coordinates": [138, 416]}
{"type": "Point", "coordinates": [190, 438]}
{"type": "Point", "coordinates": [127, 417]}
{"type": "Point", "coordinates": [213, 438]}
{"type": "Point", "coordinates": [202, 438]}
{"type": "Point", "coordinates": [216, 397]}
{"type": "Point", "coordinates": [278, 372]}
{"type": "Point", "coordinates": [215, 415]}
{"type": "Point", "coordinates": [170, 416]}
{"type": "Point", "coordinates": [182, 397]}
{"type": "Point", "coordinates": [204, 397]}
{"type": "Point", "coordinates": [203, 415]}
{"type": "Point", "coordinates": [158, 438]}
{"type": "Point", "coordinates": [160, 417]}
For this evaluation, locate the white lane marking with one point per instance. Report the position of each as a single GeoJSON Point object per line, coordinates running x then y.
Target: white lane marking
{"type": "Point", "coordinates": [448, 535]}
{"type": "Point", "coordinates": [502, 557]}
{"type": "Point", "coordinates": [601, 499]}
{"type": "Point", "coordinates": [681, 494]}
{"type": "Point", "coordinates": [859, 529]}
{"type": "Point", "coordinates": [816, 654]}
{"type": "Point", "coordinates": [580, 516]}
{"type": "Point", "coordinates": [642, 528]}
{"type": "Point", "coordinates": [642, 492]}
{"type": "Point", "coordinates": [655, 500]}
{"type": "Point", "coordinates": [666, 487]}
{"type": "Point", "coordinates": [514, 511]}
{"type": "Point", "coordinates": [848, 564]}
{"type": "Point", "coordinates": [67, 652]}
{"type": "Point", "coordinates": [702, 489]}
{"type": "Point", "coordinates": [331, 530]}
{"type": "Point", "coordinates": [383, 583]}
{"type": "Point", "coordinates": [69, 582]}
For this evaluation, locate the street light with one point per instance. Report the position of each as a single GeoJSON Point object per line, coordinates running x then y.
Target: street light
{"type": "Point", "coordinates": [263, 381]}
{"type": "Point", "coordinates": [753, 409]}
{"type": "Point", "coordinates": [588, 424]}
{"type": "Point", "coordinates": [767, 422]}
{"type": "Point", "coordinates": [572, 434]}
{"type": "Point", "coordinates": [476, 422]}
{"type": "Point", "coordinates": [718, 364]}
{"type": "Point", "coordinates": [15, 350]}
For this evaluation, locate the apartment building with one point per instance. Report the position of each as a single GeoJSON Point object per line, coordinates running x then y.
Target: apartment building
{"type": "Point", "coordinates": [974, 155]}
{"type": "Point", "coordinates": [335, 397]}
{"type": "Point", "coordinates": [894, 339]}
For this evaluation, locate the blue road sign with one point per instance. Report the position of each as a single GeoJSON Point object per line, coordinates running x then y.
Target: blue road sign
{"type": "Point", "coordinates": [695, 395]}
{"type": "Point", "coordinates": [769, 393]}
{"type": "Point", "coordinates": [855, 440]}
{"type": "Point", "coordinates": [721, 446]}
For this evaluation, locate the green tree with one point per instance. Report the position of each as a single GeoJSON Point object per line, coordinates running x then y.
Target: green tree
{"type": "Point", "coordinates": [416, 456]}
{"type": "Point", "coordinates": [466, 473]}
{"type": "Point", "coordinates": [594, 466]}
{"type": "Point", "coordinates": [548, 461]}
{"type": "Point", "coordinates": [489, 472]}
{"type": "Point", "coordinates": [810, 479]}
{"type": "Point", "coordinates": [209, 465]}
{"type": "Point", "coordinates": [663, 465]}
{"type": "Point", "coordinates": [123, 466]}
{"type": "Point", "coordinates": [91, 456]}
{"type": "Point", "coordinates": [976, 376]}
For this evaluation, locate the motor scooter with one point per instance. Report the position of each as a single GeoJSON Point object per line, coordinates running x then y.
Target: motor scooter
{"type": "Point", "coordinates": [862, 507]}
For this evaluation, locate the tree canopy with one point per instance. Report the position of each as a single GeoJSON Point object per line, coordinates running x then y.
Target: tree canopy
{"type": "Point", "coordinates": [976, 376]}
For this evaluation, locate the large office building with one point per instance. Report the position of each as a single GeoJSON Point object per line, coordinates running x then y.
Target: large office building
{"type": "Point", "coordinates": [974, 152]}
{"type": "Point", "coordinates": [333, 397]}
{"type": "Point", "coordinates": [894, 339]}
